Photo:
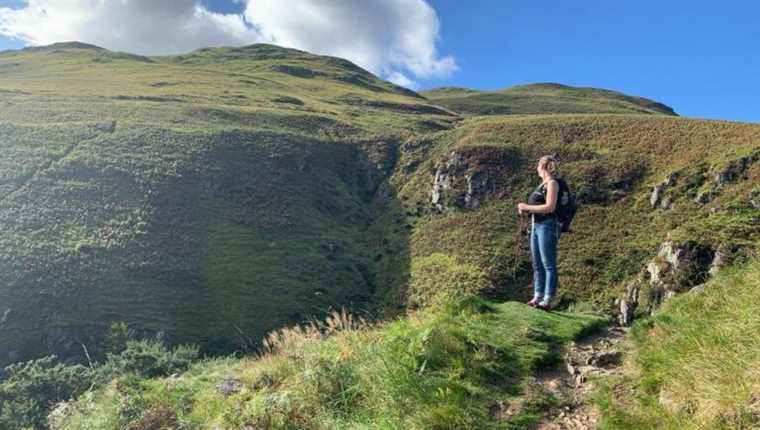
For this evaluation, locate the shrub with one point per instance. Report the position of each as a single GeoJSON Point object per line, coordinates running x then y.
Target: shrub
{"type": "Point", "coordinates": [150, 359]}
{"type": "Point", "coordinates": [33, 387]}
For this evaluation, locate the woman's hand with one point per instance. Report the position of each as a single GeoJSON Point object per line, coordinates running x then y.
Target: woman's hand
{"type": "Point", "coordinates": [522, 207]}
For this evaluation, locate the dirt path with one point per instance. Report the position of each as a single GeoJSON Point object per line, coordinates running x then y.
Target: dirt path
{"type": "Point", "coordinates": [597, 355]}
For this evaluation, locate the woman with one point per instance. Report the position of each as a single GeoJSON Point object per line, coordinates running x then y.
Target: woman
{"type": "Point", "coordinates": [545, 233]}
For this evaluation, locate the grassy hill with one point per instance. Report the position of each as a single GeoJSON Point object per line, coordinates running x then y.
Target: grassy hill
{"type": "Point", "coordinates": [613, 162]}
{"type": "Point", "coordinates": [543, 99]}
{"type": "Point", "coordinates": [212, 196]}
{"type": "Point", "coordinates": [218, 196]}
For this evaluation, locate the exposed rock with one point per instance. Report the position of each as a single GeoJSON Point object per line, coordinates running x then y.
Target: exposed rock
{"type": "Point", "coordinates": [657, 197]}
{"type": "Point", "coordinates": [666, 203]}
{"type": "Point", "coordinates": [670, 180]}
{"type": "Point", "coordinates": [477, 185]}
{"type": "Point", "coordinates": [229, 386]}
{"type": "Point", "coordinates": [676, 268]}
{"type": "Point", "coordinates": [629, 304]}
{"type": "Point", "coordinates": [698, 289]}
{"type": "Point", "coordinates": [734, 170]}
{"type": "Point", "coordinates": [597, 355]}
{"type": "Point", "coordinates": [654, 198]}
{"type": "Point", "coordinates": [441, 184]}
{"type": "Point", "coordinates": [718, 262]}
{"type": "Point", "coordinates": [731, 173]}
{"type": "Point", "coordinates": [444, 178]}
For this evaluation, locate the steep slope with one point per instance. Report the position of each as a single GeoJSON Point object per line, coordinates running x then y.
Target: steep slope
{"type": "Point", "coordinates": [460, 188]}
{"type": "Point", "coordinates": [542, 99]}
{"type": "Point", "coordinates": [211, 197]}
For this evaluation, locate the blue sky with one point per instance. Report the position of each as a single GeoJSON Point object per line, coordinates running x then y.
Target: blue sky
{"type": "Point", "coordinates": [702, 58]}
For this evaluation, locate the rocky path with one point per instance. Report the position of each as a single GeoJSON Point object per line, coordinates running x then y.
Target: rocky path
{"type": "Point", "coordinates": [597, 355]}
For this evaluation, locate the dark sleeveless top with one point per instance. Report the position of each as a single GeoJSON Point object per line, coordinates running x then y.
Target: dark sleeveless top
{"type": "Point", "coordinates": [538, 197]}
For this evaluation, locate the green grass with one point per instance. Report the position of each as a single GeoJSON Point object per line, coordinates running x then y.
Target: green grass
{"type": "Point", "coordinates": [243, 189]}
{"type": "Point", "coordinates": [696, 363]}
{"type": "Point", "coordinates": [542, 99]}
{"type": "Point", "coordinates": [614, 159]}
{"type": "Point", "coordinates": [216, 202]}
{"type": "Point", "coordinates": [442, 368]}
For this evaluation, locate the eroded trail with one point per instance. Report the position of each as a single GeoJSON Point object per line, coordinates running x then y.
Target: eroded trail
{"type": "Point", "coordinates": [595, 356]}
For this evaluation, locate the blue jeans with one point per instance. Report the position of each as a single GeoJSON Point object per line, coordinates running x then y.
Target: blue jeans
{"type": "Point", "coordinates": [543, 249]}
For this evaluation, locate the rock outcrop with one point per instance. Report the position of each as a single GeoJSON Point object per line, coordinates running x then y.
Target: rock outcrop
{"type": "Point", "coordinates": [658, 198]}
{"type": "Point", "coordinates": [675, 269]}
{"type": "Point", "coordinates": [458, 185]}
{"type": "Point", "coordinates": [732, 172]}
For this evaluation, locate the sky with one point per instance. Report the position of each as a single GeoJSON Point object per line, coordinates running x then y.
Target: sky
{"type": "Point", "coordinates": [700, 57]}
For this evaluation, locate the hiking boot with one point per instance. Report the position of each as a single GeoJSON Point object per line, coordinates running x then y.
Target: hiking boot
{"type": "Point", "coordinates": [533, 303]}
{"type": "Point", "coordinates": [544, 306]}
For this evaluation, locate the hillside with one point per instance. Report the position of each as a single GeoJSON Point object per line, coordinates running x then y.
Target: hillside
{"type": "Point", "coordinates": [547, 98]}
{"type": "Point", "coordinates": [461, 188]}
{"type": "Point", "coordinates": [212, 196]}
{"type": "Point", "coordinates": [215, 197]}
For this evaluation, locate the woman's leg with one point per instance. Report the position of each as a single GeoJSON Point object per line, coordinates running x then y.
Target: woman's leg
{"type": "Point", "coordinates": [547, 245]}
{"type": "Point", "coordinates": [539, 275]}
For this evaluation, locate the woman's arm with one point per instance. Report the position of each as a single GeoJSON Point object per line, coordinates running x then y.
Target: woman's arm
{"type": "Point", "coordinates": [552, 192]}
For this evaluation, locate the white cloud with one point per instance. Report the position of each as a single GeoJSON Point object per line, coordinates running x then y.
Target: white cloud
{"type": "Point", "coordinates": [395, 39]}
{"type": "Point", "coordinates": [389, 37]}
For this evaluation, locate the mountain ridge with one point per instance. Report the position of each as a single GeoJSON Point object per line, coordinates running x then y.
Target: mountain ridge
{"type": "Point", "coordinates": [531, 99]}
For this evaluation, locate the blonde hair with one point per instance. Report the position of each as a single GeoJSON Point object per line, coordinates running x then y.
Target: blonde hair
{"type": "Point", "coordinates": [550, 164]}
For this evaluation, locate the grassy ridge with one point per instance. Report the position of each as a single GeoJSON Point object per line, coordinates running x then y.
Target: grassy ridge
{"type": "Point", "coordinates": [442, 368]}
{"type": "Point", "coordinates": [696, 364]}
{"type": "Point", "coordinates": [543, 99]}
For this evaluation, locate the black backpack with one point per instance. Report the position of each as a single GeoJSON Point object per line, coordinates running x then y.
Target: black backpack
{"type": "Point", "coordinates": [566, 206]}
